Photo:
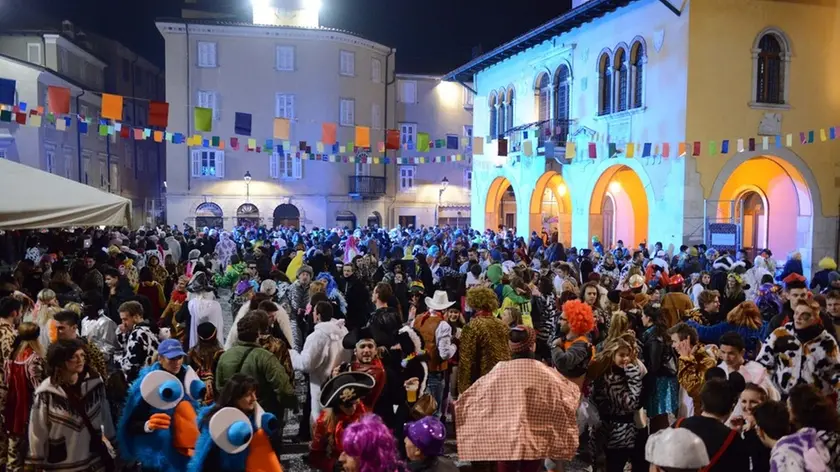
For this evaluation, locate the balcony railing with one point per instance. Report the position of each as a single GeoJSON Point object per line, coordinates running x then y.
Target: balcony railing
{"type": "Point", "coordinates": [366, 185]}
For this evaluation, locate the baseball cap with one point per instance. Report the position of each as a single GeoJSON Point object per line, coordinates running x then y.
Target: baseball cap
{"type": "Point", "coordinates": [171, 348]}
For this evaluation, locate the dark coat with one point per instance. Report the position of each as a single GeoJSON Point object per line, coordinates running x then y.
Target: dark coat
{"type": "Point", "coordinates": [433, 464]}
{"type": "Point", "coordinates": [358, 301]}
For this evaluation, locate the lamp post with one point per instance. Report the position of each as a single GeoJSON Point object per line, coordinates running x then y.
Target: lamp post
{"type": "Point", "coordinates": [443, 186]}
{"type": "Point", "coordinates": [247, 178]}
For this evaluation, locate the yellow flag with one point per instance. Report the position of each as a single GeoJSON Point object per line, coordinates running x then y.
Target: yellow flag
{"type": "Point", "coordinates": [629, 150]}
{"type": "Point", "coordinates": [789, 140]}
{"type": "Point", "coordinates": [823, 136]}
{"type": "Point", "coordinates": [571, 150]}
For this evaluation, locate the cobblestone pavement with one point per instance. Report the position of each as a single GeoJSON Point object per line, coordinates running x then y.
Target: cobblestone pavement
{"type": "Point", "coordinates": [294, 451]}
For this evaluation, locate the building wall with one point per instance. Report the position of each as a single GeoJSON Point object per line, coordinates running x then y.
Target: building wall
{"type": "Point", "coordinates": [317, 88]}
{"type": "Point", "coordinates": [722, 36]}
{"type": "Point", "coordinates": [661, 119]}
{"type": "Point", "coordinates": [439, 110]}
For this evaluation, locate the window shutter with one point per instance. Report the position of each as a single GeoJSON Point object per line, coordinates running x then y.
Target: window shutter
{"type": "Point", "coordinates": [272, 165]}
{"type": "Point", "coordinates": [196, 163]}
{"type": "Point", "coordinates": [375, 117]}
{"type": "Point", "coordinates": [220, 164]}
{"type": "Point", "coordinates": [279, 105]}
{"type": "Point", "coordinates": [290, 106]}
{"type": "Point", "coordinates": [213, 102]}
{"type": "Point", "coordinates": [297, 168]}
{"type": "Point", "coordinates": [211, 53]}
{"type": "Point", "coordinates": [376, 72]}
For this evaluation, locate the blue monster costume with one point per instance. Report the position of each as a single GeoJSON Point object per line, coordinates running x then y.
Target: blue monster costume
{"type": "Point", "coordinates": [233, 442]}
{"type": "Point", "coordinates": [158, 391]}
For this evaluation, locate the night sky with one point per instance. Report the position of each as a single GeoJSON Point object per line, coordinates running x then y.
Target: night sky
{"type": "Point", "coordinates": [431, 36]}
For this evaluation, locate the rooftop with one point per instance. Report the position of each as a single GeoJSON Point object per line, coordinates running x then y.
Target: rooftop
{"type": "Point", "coordinates": [564, 23]}
{"type": "Point", "coordinates": [247, 24]}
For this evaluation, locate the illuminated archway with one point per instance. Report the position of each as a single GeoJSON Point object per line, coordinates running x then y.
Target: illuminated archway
{"type": "Point", "coordinates": [784, 220]}
{"type": "Point", "coordinates": [619, 207]}
{"type": "Point", "coordinates": [500, 206]}
{"type": "Point", "coordinates": [209, 215]}
{"type": "Point", "coordinates": [551, 207]}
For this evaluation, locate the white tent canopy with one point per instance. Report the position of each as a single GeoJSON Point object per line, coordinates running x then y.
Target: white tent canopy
{"type": "Point", "coordinates": [33, 199]}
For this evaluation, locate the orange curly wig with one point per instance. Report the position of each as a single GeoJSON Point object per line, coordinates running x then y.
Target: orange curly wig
{"type": "Point", "coordinates": [482, 299]}
{"type": "Point", "coordinates": [580, 317]}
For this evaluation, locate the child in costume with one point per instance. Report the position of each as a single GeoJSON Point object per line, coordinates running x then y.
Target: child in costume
{"type": "Point", "coordinates": [235, 432]}
{"type": "Point", "coordinates": [340, 398]}
{"type": "Point", "coordinates": [158, 424]}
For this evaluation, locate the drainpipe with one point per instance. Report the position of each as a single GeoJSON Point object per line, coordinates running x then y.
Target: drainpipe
{"type": "Point", "coordinates": [134, 114]}
{"type": "Point", "coordinates": [189, 107]}
{"type": "Point", "coordinates": [108, 160]}
{"type": "Point", "coordinates": [79, 137]}
{"type": "Point", "coordinates": [385, 122]}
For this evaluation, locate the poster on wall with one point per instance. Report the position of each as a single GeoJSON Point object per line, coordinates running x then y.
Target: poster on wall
{"type": "Point", "coordinates": [723, 236]}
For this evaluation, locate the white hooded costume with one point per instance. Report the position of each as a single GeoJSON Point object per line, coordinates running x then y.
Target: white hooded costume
{"type": "Point", "coordinates": [203, 307]}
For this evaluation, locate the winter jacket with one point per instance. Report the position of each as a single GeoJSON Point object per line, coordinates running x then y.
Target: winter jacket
{"type": "Point", "coordinates": [322, 352]}
{"type": "Point", "coordinates": [792, 266]}
{"type": "Point", "coordinates": [711, 334]}
{"type": "Point", "coordinates": [275, 390]}
{"type": "Point", "coordinates": [137, 350]}
{"type": "Point", "coordinates": [358, 301]}
{"type": "Point", "coordinates": [433, 464]}
{"type": "Point", "coordinates": [792, 361]}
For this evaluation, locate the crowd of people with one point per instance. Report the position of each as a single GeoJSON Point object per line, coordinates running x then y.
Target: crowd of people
{"type": "Point", "coordinates": [118, 355]}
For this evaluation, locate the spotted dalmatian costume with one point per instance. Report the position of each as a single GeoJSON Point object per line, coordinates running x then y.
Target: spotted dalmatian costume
{"type": "Point", "coordinates": [791, 362]}
{"type": "Point", "coordinates": [137, 350]}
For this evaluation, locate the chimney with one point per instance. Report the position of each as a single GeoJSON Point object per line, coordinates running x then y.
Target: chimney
{"type": "Point", "coordinates": [68, 29]}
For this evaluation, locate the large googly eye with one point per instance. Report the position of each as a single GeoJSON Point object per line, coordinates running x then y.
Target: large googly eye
{"type": "Point", "coordinates": [161, 390]}
{"type": "Point", "coordinates": [231, 430]}
{"type": "Point", "coordinates": [193, 385]}
{"type": "Point", "coordinates": [265, 421]}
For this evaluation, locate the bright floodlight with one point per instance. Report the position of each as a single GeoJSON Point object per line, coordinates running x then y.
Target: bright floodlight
{"type": "Point", "coordinates": [561, 190]}
{"type": "Point", "coordinates": [312, 5]}
{"type": "Point", "coordinates": [614, 187]}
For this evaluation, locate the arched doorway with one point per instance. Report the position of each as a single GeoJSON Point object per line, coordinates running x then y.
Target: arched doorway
{"type": "Point", "coordinates": [286, 215]}
{"type": "Point", "coordinates": [619, 210]}
{"type": "Point", "coordinates": [248, 215]}
{"type": "Point", "coordinates": [500, 208]}
{"type": "Point", "coordinates": [551, 207]}
{"type": "Point", "coordinates": [374, 219]}
{"type": "Point", "coordinates": [346, 218]}
{"type": "Point", "coordinates": [770, 200]}
{"type": "Point", "coordinates": [209, 215]}
{"type": "Point", "coordinates": [751, 213]}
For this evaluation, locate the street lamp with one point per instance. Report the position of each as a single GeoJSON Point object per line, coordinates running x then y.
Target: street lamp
{"type": "Point", "coordinates": [444, 184]}
{"type": "Point", "coordinates": [247, 178]}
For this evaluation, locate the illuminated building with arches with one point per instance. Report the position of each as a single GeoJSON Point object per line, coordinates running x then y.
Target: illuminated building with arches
{"type": "Point", "coordinates": [663, 71]}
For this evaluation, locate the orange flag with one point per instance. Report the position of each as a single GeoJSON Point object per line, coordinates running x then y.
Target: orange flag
{"type": "Point", "coordinates": [328, 132]}
{"type": "Point", "coordinates": [58, 100]}
{"type": "Point", "coordinates": [112, 107]}
{"type": "Point", "coordinates": [362, 136]}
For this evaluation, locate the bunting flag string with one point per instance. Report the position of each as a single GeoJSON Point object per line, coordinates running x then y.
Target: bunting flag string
{"type": "Point", "coordinates": [362, 149]}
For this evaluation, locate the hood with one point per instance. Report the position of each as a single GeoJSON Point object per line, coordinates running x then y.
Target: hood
{"type": "Point", "coordinates": [334, 329]}
{"type": "Point", "coordinates": [510, 292]}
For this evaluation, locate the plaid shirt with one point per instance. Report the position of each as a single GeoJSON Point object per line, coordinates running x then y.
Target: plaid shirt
{"type": "Point", "coordinates": [494, 424]}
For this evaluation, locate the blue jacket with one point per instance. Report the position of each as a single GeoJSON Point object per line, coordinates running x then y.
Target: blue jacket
{"type": "Point", "coordinates": [712, 334]}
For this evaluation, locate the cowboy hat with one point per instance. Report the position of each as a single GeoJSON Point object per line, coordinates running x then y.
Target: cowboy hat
{"type": "Point", "coordinates": [346, 388]}
{"type": "Point", "coordinates": [439, 302]}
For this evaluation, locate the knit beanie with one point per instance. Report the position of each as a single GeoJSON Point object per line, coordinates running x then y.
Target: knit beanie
{"type": "Point", "coordinates": [526, 344]}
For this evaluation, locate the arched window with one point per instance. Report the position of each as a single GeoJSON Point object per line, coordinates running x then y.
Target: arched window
{"type": "Point", "coordinates": [562, 92]}
{"type": "Point", "coordinates": [502, 121]}
{"type": "Point", "coordinates": [621, 78]}
{"type": "Point", "coordinates": [604, 85]}
{"type": "Point", "coordinates": [542, 92]}
{"type": "Point", "coordinates": [510, 100]}
{"type": "Point", "coordinates": [638, 59]}
{"type": "Point", "coordinates": [770, 70]}
{"type": "Point", "coordinates": [493, 115]}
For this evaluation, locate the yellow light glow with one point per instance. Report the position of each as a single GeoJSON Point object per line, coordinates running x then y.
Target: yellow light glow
{"type": "Point", "coordinates": [449, 93]}
{"type": "Point", "coordinates": [561, 190]}
{"type": "Point", "coordinates": [614, 187]}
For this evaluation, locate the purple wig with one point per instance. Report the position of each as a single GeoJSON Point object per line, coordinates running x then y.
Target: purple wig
{"type": "Point", "coordinates": [372, 445]}
{"type": "Point", "coordinates": [768, 300]}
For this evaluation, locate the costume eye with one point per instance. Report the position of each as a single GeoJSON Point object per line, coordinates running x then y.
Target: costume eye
{"type": "Point", "coordinates": [231, 430]}
{"type": "Point", "coordinates": [265, 421]}
{"type": "Point", "coordinates": [194, 386]}
{"type": "Point", "coordinates": [161, 390]}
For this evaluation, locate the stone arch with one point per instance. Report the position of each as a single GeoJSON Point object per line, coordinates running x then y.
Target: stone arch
{"type": "Point", "coordinates": [551, 207]}
{"type": "Point", "coordinates": [497, 206]}
{"type": "Point", "coordinates": [374, 219]}
{"type": "Point", "coordinates": [210, 215]}
{"type": "Point", "coordinates": [247, 213]}
{"type": "Point", "coordinates": [629, 191]}
{"type": "Point", "coordinates": [791, 192]}
{"type": "Point", "coordinates": [346, 218]}
{"type": "Point", "coordinates": [286, 214]}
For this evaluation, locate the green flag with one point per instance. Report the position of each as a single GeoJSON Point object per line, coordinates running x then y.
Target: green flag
{"type": "Point", "coordinates": [203, 118]}
{"type": "Point", "coordinates": [423, 142]}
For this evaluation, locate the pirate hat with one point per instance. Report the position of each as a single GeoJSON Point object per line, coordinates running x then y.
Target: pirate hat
{"type": "Point", "coordinates": [346, 388]}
